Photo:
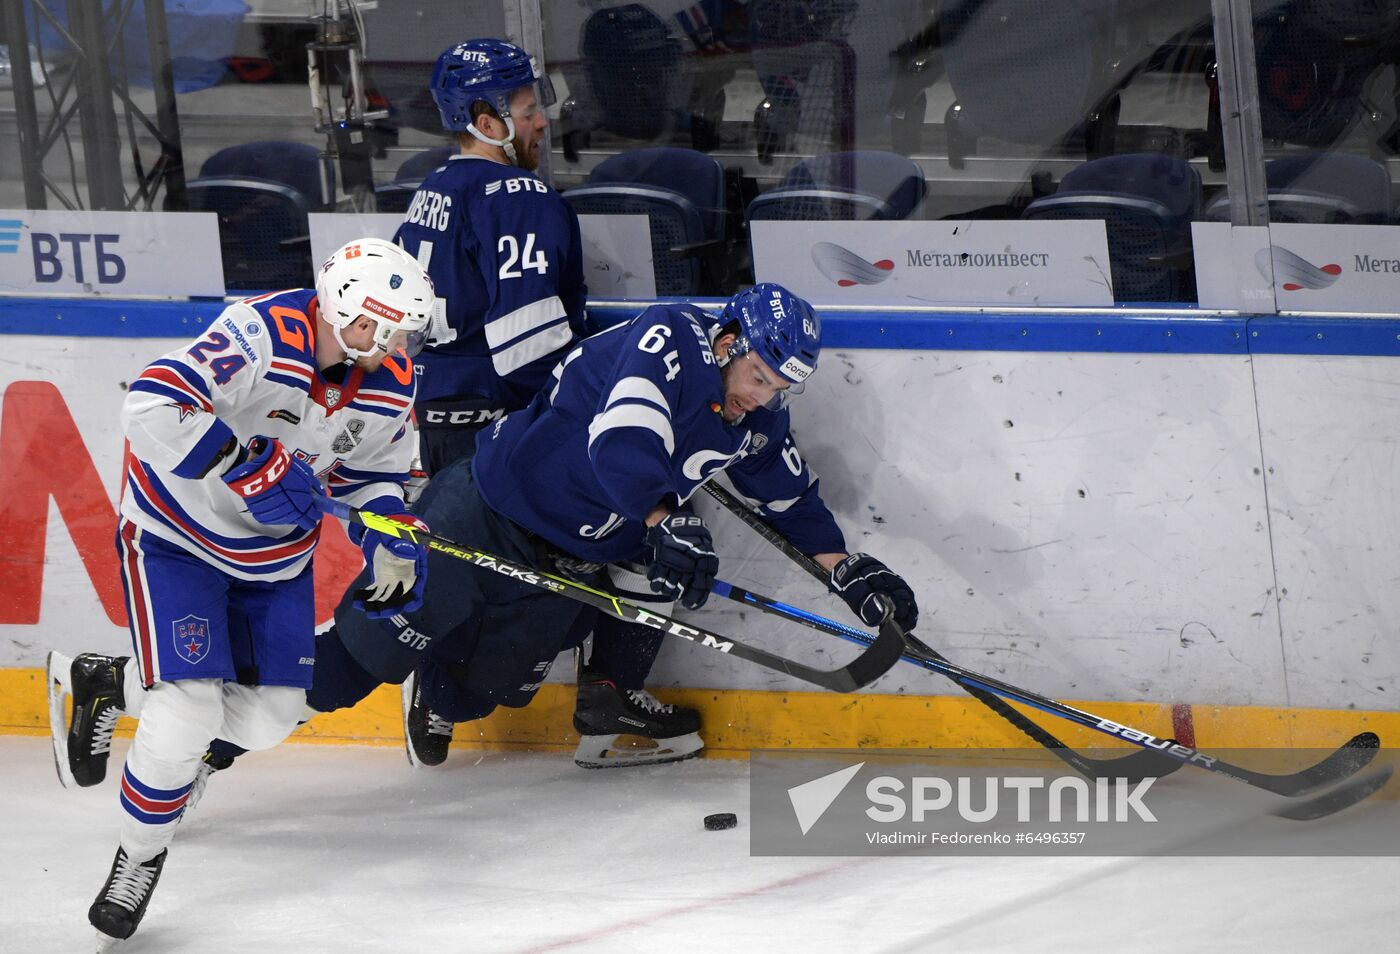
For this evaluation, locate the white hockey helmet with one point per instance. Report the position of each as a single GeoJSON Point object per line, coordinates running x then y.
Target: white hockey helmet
{"type": "Point", "coordinates": [376, 279]}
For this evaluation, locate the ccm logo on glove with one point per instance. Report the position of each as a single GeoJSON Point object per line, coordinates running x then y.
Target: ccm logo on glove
{"type": "Point", "coordinates": [278, 488]}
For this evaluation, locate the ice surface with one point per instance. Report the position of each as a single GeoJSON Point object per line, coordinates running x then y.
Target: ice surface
{"type": "Point", "coordinates": [348, 849]}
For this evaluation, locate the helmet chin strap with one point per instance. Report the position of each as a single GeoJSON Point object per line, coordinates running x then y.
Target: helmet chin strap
{"type": "Point", "coordinates": [351, 354]}
{"type": "Point", "coordinates": [506, 143]}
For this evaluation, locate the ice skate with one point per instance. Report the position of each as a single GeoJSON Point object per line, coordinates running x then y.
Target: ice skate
{"type": "Point", "coordinates": [95, 683]}
{"type": "Point", "coordinates": [121, 903]}
{"type": "Point", "coordinates": [620, 728]}
{"type": "Point", "coordinates": [425, 736]}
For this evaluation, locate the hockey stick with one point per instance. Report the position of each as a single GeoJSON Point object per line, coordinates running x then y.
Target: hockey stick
{"type": "Point", "coordinates": [1150, 762]}
{"type": "Point", "coordinates": [1349, 759]}
{"type": "Point", "coordinates": [1131, 768]}
{"type": "Point", "coordinates": [1353, 756]}
{"type": "Point", "coordinates": [881, 654]}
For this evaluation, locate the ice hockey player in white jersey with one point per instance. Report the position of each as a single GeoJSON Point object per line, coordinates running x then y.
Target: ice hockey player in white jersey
{"type": "Point", "coordinates": [232, 437]}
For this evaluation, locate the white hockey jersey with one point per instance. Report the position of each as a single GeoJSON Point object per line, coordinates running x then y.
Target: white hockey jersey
{"type": "Point", "coordinates": [254, 372]}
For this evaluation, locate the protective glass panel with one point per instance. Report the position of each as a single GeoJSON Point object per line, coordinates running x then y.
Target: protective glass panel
{"type": "Point", "coordinates": [896, 110]}
{"type": "Point", "coordinates": [1328, 115]}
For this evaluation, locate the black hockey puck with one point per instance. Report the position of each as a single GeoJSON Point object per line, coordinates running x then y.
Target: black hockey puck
{"type": "Point", "coordinates": [720, 821]}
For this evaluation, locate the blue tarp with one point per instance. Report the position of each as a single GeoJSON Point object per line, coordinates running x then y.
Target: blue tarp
{"type": "Point", "coordinates": [202, 34]}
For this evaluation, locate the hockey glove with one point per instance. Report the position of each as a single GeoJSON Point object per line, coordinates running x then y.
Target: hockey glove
{"type": "Point", "coordinates": [398, 569]}
{"type": "Point", "coordinates": [278, 488]}
{"type": "Point", "coordinates": [683, 562]}
{"type": "Point", "coordinates": [860, 579]}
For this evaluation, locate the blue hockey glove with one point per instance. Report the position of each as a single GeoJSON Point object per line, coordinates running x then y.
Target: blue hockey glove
{"type": "Point", "coordinates": [683, 562]}
{"type": "Point", "coordinates": [278, 488]}
{"type": "Point", "coordinates": [398, 571]}
{"type": "Point", "coordinates": [860, 579]}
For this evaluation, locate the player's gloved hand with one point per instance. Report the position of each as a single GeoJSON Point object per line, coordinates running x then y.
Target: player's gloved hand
{"type": "Point", "coordinates": [398, 571]}
{"type": "Point", "coordinates": [860, 579]}
{"type": "Point", "coordinates": [683, 562]}
{"type": "Point", "coordinates": [277, 487]}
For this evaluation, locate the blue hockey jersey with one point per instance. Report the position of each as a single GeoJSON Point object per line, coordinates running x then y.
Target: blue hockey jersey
{"type": "Point", "coordinates": [504, 254]}
{"type": "Point", "coordinates": [632, 418]}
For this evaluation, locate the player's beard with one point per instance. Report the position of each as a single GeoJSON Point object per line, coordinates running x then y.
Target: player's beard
{"type": "Point", "coordinates": [525, 157]}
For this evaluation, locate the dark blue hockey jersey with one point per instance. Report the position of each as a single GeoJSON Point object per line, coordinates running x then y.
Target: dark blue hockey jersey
{"type": "Point", "coordinates": [503, 251]}
{"type": "Point", "coordinates": [632, 418]}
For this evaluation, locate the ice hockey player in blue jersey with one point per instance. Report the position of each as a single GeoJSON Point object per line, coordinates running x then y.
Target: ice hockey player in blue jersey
{"type": "Point", "coordinates": [502, 247]}
{"type": "Point", "coordinates": [232, 438]}
{"type": "Point", "coordinates": [504, 254]}
{"type": "Point", "coordinates": [599, 468]}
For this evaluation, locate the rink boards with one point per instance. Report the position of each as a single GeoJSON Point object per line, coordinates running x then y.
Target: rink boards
{"type": "Point", "coordinates": [1101, 507]}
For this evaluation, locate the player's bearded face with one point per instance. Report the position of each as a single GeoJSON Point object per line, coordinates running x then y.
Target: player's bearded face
{"type": "Point", "coordinates": [748, 385]}
{"type": "Point", "coordinates": [530, 123]}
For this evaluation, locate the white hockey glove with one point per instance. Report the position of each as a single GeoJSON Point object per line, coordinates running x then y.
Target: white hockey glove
{"type": "Point", "coordinates": [398, 571]}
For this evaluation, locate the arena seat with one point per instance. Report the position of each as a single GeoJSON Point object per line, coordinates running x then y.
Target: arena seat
{"type": "Point", "coordinates": [1147, 202]}
{"type": "Point", "coordinates": [395, 196]}
{"type": "Point", "coordinates": [682, 194]}
{"type": "Point", "coordinates": [843, 186]}
{"type": "Point", "coordinates": [1322, 188]}
{"type": "Point", "coordinates": [262, 193]}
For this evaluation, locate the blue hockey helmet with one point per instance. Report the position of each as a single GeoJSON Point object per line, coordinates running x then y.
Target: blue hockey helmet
{"type": "Point", "coordinates": [484, 70]}
{"type": "Point", "coordinates": [778, 327]}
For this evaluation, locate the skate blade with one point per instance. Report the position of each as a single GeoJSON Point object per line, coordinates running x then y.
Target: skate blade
{"type": "Point", "coordinates": [105, 942]}
{"type": "Point", "coordinates": [60, 674]}
{"type": "Point", "coordinates": [626, 750]}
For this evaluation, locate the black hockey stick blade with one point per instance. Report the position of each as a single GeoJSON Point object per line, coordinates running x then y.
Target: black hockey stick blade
{"type": "Point", "coordinates": [1354, 755]}
{"type": "Point", "coordinates": [870, 665]}
{"type": "Point", "coordinates": [1131, 768]}
{"type": "Point", "coordinates": [1345, 795]}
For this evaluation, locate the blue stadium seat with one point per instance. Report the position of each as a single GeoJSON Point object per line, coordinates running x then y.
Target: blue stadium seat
{"type": "Point", "coordinates": [262, 193]}
{"type": "Point", "coordinates": [844, 186]}
{"type": "Point", "coordinates": [395, 196]}
{"type": "Point", "coordinates": [1321, 188]}
{"type": "Point", "coordinates": [682, 194]}
{"type": "Point", "coordinates": [1147, 203]}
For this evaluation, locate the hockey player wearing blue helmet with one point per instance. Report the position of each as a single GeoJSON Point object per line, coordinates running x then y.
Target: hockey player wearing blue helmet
{"type": "Point", "coordinates": [599, 469]}
{"type": "Point", "coordinates": [504, 251]}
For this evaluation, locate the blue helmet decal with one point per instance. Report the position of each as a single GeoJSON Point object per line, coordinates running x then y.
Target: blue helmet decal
{"type": "Point", "coordinates": [779, 327]}
{"type": "Point", "coordinates": [483, 70]}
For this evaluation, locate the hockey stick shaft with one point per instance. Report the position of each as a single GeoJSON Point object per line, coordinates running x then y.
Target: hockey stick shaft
{"type": "Point", "coordinates": [878, 658]}
{"type": "Point", "coordinates": [1162, 756]}
{"type": "Point", "coordinates": [1349, 759]}
{"type": "Point", "coordinates": [1131, 767]}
